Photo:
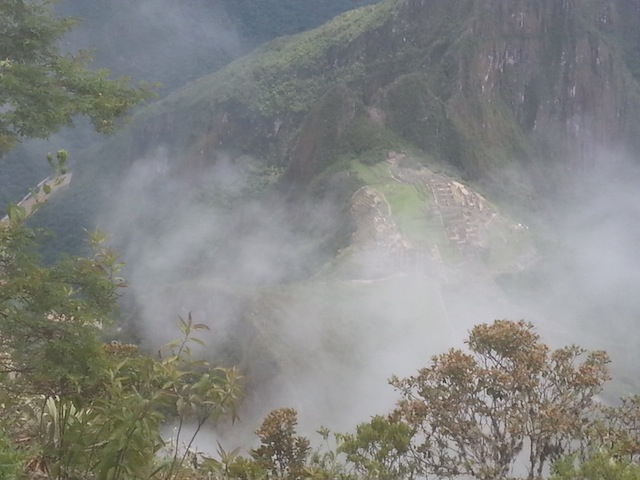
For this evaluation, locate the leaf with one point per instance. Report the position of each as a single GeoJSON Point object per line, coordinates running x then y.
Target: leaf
{"type": "Point", "coordinates": [16, 213]}
{"type": "Point", "coordinates": [180, 406]}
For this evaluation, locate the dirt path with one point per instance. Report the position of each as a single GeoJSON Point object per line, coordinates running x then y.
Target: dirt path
{"type": "Point", "coordinates": [41, 194]}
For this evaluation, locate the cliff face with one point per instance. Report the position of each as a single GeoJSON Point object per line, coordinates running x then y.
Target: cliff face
{"type": "Point", "coordinates": [477, 84]}
{"type": "Point", "coordinates": [553, 71]}
{"type": "Point", "coordinates": [511, 78]}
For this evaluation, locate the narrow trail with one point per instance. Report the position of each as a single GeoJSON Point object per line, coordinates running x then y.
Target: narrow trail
{"type": "Point", "coordinates": [43, 191]}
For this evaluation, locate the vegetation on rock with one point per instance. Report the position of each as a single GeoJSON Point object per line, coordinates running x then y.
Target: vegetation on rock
{"type": "Point", "coordinates": [79, 404]}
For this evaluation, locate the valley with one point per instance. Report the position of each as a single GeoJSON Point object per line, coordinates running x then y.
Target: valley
{"type": "Point", "coordinates": [343, 205]}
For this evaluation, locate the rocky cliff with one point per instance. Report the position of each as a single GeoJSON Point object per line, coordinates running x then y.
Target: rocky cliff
{"type": "Point", "coordinates": [480, 85]}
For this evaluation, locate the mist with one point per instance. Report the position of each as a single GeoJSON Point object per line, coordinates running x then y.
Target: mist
{"type": "Point", "coordinates": [323, 344]}
{"type": "Point", "coordinates": [153, 40]}
{"type": "Point", "coordinates": [324, 340]}
{"type": "Point", "coordinates": [586, 283]}
{"type": "Point", "coordinates": [264, 272]}
{"type": "Point", "coordinates": [160, 42]}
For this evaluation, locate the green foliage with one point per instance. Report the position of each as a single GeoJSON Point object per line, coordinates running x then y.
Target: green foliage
{"type": "Point", "coordinates": [83, 408]}
{"type": "Point", "coordinates": [380, 449]}
{"type": "Point", "coordinates": [198, 392]}
{"type": "Point", "coordinates": [50, 316]}
{"type": "Point", "coordinates": [12, 460]}
{"type": "Point", "coordinates": [620, 427]}
{"type": "Point", "coordinates": [114, 433]}
{"type": "Point", "coordinates": [466, 416]}
{"type": "Point", "coordinates": [613, 449]}
{"type": "Point", "coordinates": [600, 465]}
{"type": "Point", "coordinates": [282, 453]}
{"type": "Point", "coordinates": [367, 140]}
{"type": "Point", "coordinates": [274, 18]}
{"type": "Point", "coordinates": [420, 116]}
{"type": "Point", "coordinates": [286, 75]}
{"type": "Point", "coordinates": [42, 89]}
{"type": "Point", "coordinates": [74, 407]}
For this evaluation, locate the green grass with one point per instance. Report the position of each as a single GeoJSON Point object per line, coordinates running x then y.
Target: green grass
{"type": "Point", "coordinates": [506, 244]}
{"type": "Point", "coordinates": [373, 175]}
{"type": "Point", "coordinates": [409, 205]}
{"type": "Point", "coordinates": [409, 212]}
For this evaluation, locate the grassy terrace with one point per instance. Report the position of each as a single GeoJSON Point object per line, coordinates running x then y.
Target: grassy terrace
{"type": "Point", "coordinates": [409, 205]}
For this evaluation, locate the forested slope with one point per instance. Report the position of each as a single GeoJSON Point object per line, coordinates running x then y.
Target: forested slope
{"type": "Point", "coordinates": [327, 213]}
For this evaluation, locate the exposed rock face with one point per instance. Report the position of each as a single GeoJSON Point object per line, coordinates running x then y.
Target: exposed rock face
{"type": "Point", "coordinates": [507, 73]}
{"type": "Point", "coordinates": [550, 65]}
{"type": "Point", "coordinates": [478, 84]}
{"type": "Point", "coordinates": [321, 132]}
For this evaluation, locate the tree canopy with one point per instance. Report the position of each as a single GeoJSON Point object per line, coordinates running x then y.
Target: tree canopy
{"type": "Point", "coordinates": [508, 407]}
{"type": "Point", "coordinates": [511, 398]}
{"type": "Point", "coordinates": [42, 88]}
{"type": "Point", "coordinates": [75, 405]}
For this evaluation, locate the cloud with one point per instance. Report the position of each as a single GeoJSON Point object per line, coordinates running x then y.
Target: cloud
{"type": "Point", "coordinates": [154, 40]}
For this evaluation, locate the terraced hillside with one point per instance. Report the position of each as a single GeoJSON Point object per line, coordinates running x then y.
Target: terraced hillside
{"type": "Point", "coordinates": [385, 302]}
{"type": "Point", "coordinates": [428, 221]}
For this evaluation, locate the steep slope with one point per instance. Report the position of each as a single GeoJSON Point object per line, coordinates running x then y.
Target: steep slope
{"type": "Point", "coordinates": [479, 85]}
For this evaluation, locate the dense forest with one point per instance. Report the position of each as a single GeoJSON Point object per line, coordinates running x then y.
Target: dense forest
{"type": "Point", "coordinates": [306, 219]}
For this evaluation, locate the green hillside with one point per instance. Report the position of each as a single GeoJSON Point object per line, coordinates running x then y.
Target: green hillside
{"type": "Point", "coordinates": [507, 101]}
{"type": "Point", "coordinates": [339, 206]}
{"type": "Point", "coordinates": [477, 91]}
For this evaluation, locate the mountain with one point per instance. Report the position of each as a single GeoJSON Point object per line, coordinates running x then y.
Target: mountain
{"type": "Point", "coordinates": [480, 86]}
{"type": "Point", "coordinates": [164, 44]}
{"type": "Point", "coordinates": [342, 203]}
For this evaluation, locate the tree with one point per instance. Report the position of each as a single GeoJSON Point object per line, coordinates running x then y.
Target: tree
{"type": "Point", "coordinates": [379, 449]}
{"type": "Point", "coordinates": [49, 314]}
{"type": "Point", "coordinates": [42, 89]}
{"type": "Point", "coordinates": [72, 407]}
{"type": "Point", "coordinates": [619, 429]}
{"type": "Point", "coordinates": [511, 398]}
{"type": "Point", "coordinates": [599, 465]}
{"type": "Point", "coordinates": [613, 449]}
{"type": "Point", "coordinates": [50, 327]}
{"type": "Point", "coordinates": [116, 433]}
{"type": "Point", "coordinates": [282, 453]}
